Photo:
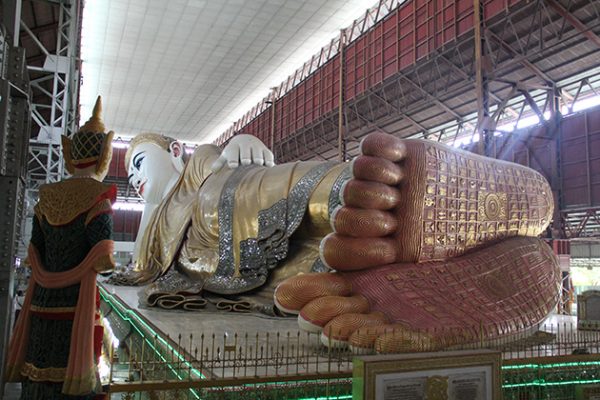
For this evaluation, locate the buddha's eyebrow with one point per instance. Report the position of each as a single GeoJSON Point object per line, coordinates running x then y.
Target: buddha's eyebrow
{"type": "Point", "coordinates": [136, 156]}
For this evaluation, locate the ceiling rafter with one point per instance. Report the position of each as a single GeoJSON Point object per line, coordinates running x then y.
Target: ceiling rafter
{"type": "Point", "coordinates": [580, 26]}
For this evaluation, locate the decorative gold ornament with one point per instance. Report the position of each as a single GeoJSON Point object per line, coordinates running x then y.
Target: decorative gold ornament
{"type": "Point", "coordinates": [94, 124]}
{"type": "Point", "coordinates": [437, 388]}
{"type": "Point", "coordinates": [43, 374]}
{"type": "Point", "coordinates": [62, 202]}
{"type": "Point", "coordinates": [90, 145]}
{"type": "Point", "coordinates": [492, 206]}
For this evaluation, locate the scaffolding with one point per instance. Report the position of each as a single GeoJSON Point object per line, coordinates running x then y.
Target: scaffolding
{"type": "Point", "coordinates": [38, 104]}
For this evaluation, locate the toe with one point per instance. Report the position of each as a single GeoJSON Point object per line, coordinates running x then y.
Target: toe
{"type": "Point", "coordinates": [404, 341]}
{"type": "Point", "coordinates": [348, 254]}
{"type": "Point", "coordinates": [377, 170]}
{"type": "Point", "coordinates": [316, 314]}
{"type": "Point", "coordinates": [359, 222]}
{"type": "Point", "coordinates": [391, 338]}
{"type": "Point", "coordinates": [363, 338]}
{"type": "Point", "coordinates": [371, 195]}
{"type": "Point", "coordinates": [338, 330]}
{"type": "Point", "coordinates": [294, 293]}
{"type": "Point", "coordinates": [383, 145]}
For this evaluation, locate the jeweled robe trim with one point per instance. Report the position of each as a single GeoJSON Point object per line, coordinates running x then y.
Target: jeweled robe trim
{"type": "Point", "coordinates": [276, 225]}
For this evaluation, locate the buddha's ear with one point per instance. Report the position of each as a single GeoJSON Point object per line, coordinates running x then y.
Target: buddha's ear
{"type": "Point", "coordinates": [66, 148]}
{"type": "Point", "coordinates": [176, 152]}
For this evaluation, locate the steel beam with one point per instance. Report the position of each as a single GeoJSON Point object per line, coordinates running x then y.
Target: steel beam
{"type": "Point", "coordinates": [56, 91]}
{"type": "Point", "coordinates": [429, 96]}
{"type": "Point", "coordinates": [33, 37]}
{"type": "Point", "coordinates": [496, 116]}
{"type": "Point", "coordinates": [532, 104]}
{"type": "Point", "coordinates": [369, 122]}
{"type": "Point", "coordinates": [400, 113]}
{"type": "Point", "coordinates": [521, 59]}
{"type": "Point", "coordinates": [469, 78]}
{"type": "Point", "coordinates": [11, 15]}
{"type": "Point", "coordinates": [577, 24]}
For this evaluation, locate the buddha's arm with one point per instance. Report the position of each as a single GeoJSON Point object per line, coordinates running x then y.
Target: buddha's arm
{"type": "Point", "coordinates": [322, 202]}
{"type": "Point", "coordinates": [146, 216]}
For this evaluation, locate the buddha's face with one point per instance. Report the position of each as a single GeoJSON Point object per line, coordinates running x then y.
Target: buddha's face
{"type": "Point", "coordinates": [152, 168]}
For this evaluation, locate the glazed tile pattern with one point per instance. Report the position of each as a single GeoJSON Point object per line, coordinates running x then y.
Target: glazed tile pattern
{"type": "Point", "coordinates": [469, 200]}
{"type": "Point", "coordinates": [499, 290]}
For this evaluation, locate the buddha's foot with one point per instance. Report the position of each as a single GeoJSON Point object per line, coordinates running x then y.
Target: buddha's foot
{"type": "Point", "coordinates": [418, 200]}
{"type": "Point", "coordinates": [497, 291]}
{"type": "Point", "coordinates": [364, 225]}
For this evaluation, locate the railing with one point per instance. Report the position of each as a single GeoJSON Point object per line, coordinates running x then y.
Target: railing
{"type": "Point", "coordinates": [298, 364]}
{"type": "Point", "coordinates": [556, 377]}
{"type": "Point", "coordinates": [279, 354]}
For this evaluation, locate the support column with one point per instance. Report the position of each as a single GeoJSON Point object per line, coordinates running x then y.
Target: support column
{"type": "Point", "coordinates": [562, 250]}
{"type": "Point", "coordinates": [14, 138]}
{"type": "Point", "coordinates": [341, 136]}
{"type": "Point", "coordinates": [11, 21]}
{"type": "Point", "coordinates": [272, 132]}
{"type": "Point", "coordinates": [26, 162]}
{"type": "Point", "coordinates": [55, 86]}
{"type": "Point", "coordinates": [481, 82]}
{"type": "Point", "coordinates": [55, 114]}
{"type": "Point", "coordinates": [555, 129]}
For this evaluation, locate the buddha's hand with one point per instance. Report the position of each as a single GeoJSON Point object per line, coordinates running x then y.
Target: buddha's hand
{"type": "Point", "coordinates": [244, 150]}
{"type": "Point", "coordinates": [128, 275]}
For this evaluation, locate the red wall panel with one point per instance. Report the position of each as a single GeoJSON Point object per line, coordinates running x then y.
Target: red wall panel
{"type": "Point", "coordinates": [315, 96]}
{"type": "Point", "coordinates": [412, 32]}
{"type": "Point", "coordinates": [126, 224]}
{"type": "Point", "coordinates": [464, 17]}
{"type": "Point", "coordinates": [531, 148]}
{"type": "Point", "coordinates": [390, 46]}
{"type": "Point", "coordinates": [117, 164]}
{"type": "Point", "coordinates": [580, 159]}
{"type": "Point", "coordinates": [579, 156]}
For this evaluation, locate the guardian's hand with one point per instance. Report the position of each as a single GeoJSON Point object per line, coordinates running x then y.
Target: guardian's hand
{"type": "Point", "coordinates": [244, 150]}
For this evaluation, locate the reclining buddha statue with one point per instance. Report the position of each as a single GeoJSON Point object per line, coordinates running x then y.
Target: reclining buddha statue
{"type": "Point", "coordinates": [412, 236]}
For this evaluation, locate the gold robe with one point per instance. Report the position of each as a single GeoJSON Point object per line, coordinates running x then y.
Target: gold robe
{"type": "Point", "coordinates": [238, 230]}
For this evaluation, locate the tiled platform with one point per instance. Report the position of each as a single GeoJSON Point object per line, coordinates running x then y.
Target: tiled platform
{"type": "Point", "coordinates": [564, 328]}
{"type": "Point", "coordinates": [175, 322]}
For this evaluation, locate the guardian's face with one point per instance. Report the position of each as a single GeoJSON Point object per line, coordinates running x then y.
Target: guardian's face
{"type": "Point", "coordinates": [150, 170]}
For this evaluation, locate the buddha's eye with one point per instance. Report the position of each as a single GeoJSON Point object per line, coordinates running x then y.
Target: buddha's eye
{"type": "Point", "coordinates": [138, 163]}
{"type": "Point", "coordinates": [137, 160]}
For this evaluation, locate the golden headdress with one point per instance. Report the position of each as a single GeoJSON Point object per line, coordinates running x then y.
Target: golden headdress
{"type": "Point", "coordinates": [90, 145]}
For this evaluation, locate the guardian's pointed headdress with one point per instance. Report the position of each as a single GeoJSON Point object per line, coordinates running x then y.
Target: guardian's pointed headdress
{"type": "Point", "coordinates": [90, 145]}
